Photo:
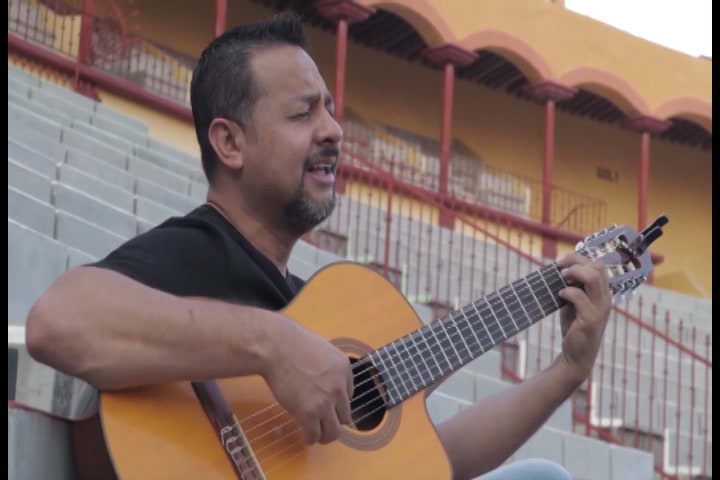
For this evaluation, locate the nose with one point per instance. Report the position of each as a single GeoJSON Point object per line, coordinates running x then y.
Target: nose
{"type": "Point", "coordinates": [329, 130]}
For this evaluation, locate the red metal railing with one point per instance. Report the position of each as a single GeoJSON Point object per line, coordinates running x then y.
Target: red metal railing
{"type": "Point", "coordinates": [471, 180]}
{"type": "Point", "coordinates": [111, 48]}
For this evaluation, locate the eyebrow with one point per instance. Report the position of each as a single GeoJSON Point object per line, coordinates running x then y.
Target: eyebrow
{"type": "Point", "coordinates": [313, 98]}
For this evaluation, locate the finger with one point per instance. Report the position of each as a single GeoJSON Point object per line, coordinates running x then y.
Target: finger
{"type": "Point", "coordinates": [583, 306]}
{"type": "Point", "coordinates": [350, 383]}
{"type": "Point", "coordinates": [329, 427]}
{"type": "Point", "coordinates": [567, 315]}
{"type": "Point", "coordinates": [342, 410]}
{"type": "Point", "coordinates": [588, 278]}
{"type": "Point", "coordinates": [572, 259]}
{"type": "Point", "coordinates": [312, 432]}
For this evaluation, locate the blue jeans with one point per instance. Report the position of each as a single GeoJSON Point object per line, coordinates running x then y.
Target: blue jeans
{"type": "Point", "coordinates": [532, 469]}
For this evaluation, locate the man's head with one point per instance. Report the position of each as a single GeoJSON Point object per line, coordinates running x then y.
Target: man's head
{"type": "Point", "coordinates": [263, 118]}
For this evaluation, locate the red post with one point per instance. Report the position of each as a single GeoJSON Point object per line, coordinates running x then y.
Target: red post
{"type": "Point", "coordinates": [220, 16]}
{"type": "Point", "coordinates": [645, 126]}
{"type": "Point", "coordinates": [652, 377]}
{"type": "Point", "coordinates": [678, 405]}
{"type": "Point", "coordinates": [692, 400]}
{"type": "Point", "coordinates": [550, 93]}
{"type": "Point", "coordinates": [344, 13]}
{"type": "Point", "coordinates": [549, 246]}
{"type": "Point", "coordinates": [448, 56]}
{"type": "Point", "coordinates": [446, 128]}
{"type": "Point", "coordinates": [388, 219]}
{"type": "Point", "coordinates": [549, 159]}
{"type": "Point", "coordinates": [80, 85]}
{"type": "Point", "coordinates": [86, 31]}
{"type": "Point", "coordinates": [643, 180]}
{"type": "Point", "coordinates": [340, 57]}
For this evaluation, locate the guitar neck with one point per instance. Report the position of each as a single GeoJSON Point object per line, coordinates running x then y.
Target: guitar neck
{"type": "Point", "coordinates": [417, 360]}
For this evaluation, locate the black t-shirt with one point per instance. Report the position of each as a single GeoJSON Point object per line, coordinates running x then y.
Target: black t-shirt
{"type": "Point", "coordinates": [203, 255]}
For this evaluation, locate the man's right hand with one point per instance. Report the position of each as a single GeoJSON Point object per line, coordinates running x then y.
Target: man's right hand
{"type": "Point", "coordinates": [313, 380]}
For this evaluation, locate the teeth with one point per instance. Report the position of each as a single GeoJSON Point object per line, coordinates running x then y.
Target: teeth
{"type": "Point", "coordinates": [325, 168]}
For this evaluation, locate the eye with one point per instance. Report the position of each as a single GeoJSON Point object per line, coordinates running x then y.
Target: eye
{"type": "Point", "coordinates": [302, 115]}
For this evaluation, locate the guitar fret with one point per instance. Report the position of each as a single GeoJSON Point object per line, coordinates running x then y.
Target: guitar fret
{"type": "Point", "coordinates": [483, 323]}
{"type": "Point", "coordinates": [437, 340]}
{"type": "Point", "coordinates": [557, 305]}
{"type": "Point", "coordinates": [519, 301]}
{"type": "Point", "coordinates": [532, 292]}
{"type": "Point", "coordinates": [460, 334]}
{"type": "Point", "coordinates": [420, 373]}
{"type": "Point", "coordinates": [482, 350]}
{"type": "Point", "coordinates": [452, 344]}
{"type": "Point", "coordinates": [399, 376]}
{"type": "Point", "coordinates": [406, 370]}
{"type": "Point", "coordinates": [429, 350]}
{"type": "Point", "coordinates": [508, 310]}
{"type": "Point", "coordinates": [433, 353]}
{"type": "Point", "coordinates": [496, 318]}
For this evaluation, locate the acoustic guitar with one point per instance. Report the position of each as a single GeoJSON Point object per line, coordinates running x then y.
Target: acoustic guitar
{"type": "Point", "coordinates": [234, 429]}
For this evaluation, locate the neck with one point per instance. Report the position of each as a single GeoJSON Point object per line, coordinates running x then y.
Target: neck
{"type": "Point", "coordinates": [273, 242]}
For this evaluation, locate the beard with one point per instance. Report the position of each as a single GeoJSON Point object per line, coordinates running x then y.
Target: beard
{"type": "Point", "coordinates": [304, 213]}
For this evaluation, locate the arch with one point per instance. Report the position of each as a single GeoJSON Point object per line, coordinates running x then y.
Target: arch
{"type": "Point", "coordinates": [693, 109]}
{"type": "Point", "coordinates": [521, 54]}
{"type": "Point", "coordinates": [609, 86]}
{"type": "Point", "coordinates": [421, 15]}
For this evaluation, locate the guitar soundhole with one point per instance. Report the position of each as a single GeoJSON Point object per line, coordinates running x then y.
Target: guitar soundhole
{"type": "Point", "coordinates": [369, 398]}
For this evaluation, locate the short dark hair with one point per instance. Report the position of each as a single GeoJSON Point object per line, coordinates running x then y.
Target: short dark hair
{"type": "Point", "coordinates": [223, 85]}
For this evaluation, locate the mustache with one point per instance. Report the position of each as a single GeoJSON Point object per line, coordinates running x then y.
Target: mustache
{"type": "Point", "coordinates": [325, 152]}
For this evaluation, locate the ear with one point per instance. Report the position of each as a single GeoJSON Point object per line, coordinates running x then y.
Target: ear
{"type": "Point", "coordinates": [228, 140]}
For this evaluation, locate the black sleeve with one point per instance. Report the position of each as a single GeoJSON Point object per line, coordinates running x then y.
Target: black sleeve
{"type": "Point", "coordinates": [174, 260]}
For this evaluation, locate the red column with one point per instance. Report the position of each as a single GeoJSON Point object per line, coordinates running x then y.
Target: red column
{"type": "Point", "coordinates": [645, 126]}
{"type": "Point", "coordinates": [643, 179]}
{"type": "Point", "coordinates": [86, 30]}
{"type": "Point", "coordinates": [549, 160]}
{"type": "Point", "coordinates": [340, 56]}
{"type": "Point", "coordinates": [550, 93]}
{"type": "Point", "coordinates": [344, 12]}
{"type": "Point", "coordinates": [446, 127]}
{"type": "Point", "coordinates": [81, 85]}
{"type": "Point", "coordinates": [220, 17]}
{"type": "Point", "coordinates": [448, 56]}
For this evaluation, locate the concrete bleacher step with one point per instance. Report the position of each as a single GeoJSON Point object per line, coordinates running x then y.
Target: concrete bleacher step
{"type": "Point", "coordinates": [36, 432]}
{"type": "Point", "coordinates": [34, 262]}
{"type": "Point", "coordinates": [584, 458]}
{"type": "Point", "coordinates": [29, 211]}
{"type": "Point", "coordinates": [82, 235]}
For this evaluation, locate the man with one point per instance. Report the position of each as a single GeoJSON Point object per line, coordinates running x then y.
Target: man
{"type": "Point", "coordinates": [269, 143]}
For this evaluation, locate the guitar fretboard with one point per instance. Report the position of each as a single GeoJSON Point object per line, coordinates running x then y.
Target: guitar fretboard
{"type": "Point", "coordinates": [417, 360]}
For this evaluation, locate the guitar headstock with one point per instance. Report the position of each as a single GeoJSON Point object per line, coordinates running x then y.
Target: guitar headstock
{"type": "Point", "coordinates": [625, 254]}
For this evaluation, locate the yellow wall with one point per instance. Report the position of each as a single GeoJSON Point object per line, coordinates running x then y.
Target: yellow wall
{"type": "Point", "coordinates": [567, 40]}
{"type": "Point", "coordinates": [506, 132]}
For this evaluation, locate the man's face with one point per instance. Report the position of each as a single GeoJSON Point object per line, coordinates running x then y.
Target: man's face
{"type": "Point", "coordinates": [293, 141]}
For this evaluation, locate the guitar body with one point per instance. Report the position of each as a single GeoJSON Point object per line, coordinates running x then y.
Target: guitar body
{"type": "Point", "coordinates": [162, 431]}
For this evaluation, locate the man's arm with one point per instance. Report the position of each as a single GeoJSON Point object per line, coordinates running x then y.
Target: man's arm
{"type": "Point", "coordinates": [116, 333]}
{"type": "Point", "coordinates": [482, 437]}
